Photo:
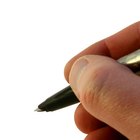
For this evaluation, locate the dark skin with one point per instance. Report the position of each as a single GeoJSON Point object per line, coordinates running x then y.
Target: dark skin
{"type": "Point", "coordinates": [115, 46]}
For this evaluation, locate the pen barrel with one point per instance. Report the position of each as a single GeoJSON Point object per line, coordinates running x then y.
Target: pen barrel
{"type": "Point", "coordinates": [61, 99]}
{"type": "Point", "coordinates": [132, 61]}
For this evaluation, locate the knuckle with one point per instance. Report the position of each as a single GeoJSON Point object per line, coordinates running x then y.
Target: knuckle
{"type": "Point", "coordinates": [96, 85]}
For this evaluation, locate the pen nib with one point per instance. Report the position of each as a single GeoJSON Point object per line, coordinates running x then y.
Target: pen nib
{"type": "Point", "coordinates": [38, 110]}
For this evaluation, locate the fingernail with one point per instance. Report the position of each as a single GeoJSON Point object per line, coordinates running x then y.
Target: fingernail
{"type": "Point", "coordinates": [76, 72]}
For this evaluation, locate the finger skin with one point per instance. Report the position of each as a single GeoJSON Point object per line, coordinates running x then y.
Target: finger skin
{"type": "Point", "coordinates": [85, 121]}
{"type": "Point", "coordinates": [93, 127]}
{"type": "Point", "coordinates": [105, 133]}
{"type": "Point", "coordinates": [115, 46]}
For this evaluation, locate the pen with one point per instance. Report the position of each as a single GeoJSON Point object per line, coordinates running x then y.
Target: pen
{"type": "Point", "coordinates": [66, 96]}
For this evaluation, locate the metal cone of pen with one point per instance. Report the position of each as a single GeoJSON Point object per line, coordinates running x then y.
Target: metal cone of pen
{"type": "Point", "coordinates": [66, 96]}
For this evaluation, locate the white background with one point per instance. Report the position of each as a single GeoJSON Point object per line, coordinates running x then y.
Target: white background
{"type": "Point", "coordinates": [37, 38]}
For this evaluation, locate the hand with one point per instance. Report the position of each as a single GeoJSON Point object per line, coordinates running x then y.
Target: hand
{"type": "Point", "coordinates": [108, 91]}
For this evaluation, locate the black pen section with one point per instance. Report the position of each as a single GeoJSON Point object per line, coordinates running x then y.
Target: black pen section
{"type": "Point", "coordinates": [61, 99]}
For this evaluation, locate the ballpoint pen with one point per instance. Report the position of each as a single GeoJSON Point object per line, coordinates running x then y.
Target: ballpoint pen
{"type": "Point", "coordinates": [66, 96]}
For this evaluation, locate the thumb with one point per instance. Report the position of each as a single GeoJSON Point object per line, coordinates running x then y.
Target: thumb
{"type": "Point", "coordinates": [109, 91]}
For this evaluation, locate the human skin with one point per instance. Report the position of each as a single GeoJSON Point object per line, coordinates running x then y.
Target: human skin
{"type": "Point", "coordinates": [108, 91]}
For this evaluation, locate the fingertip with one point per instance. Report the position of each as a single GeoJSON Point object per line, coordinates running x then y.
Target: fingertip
{"type": "Point", "coordinates": [98, 48]}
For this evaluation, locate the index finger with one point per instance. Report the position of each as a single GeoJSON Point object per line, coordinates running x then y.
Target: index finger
{"type": "Point", "coordinates": [115, 46]}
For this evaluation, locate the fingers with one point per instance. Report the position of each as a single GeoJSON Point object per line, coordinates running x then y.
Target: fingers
{"type": "Point", "coordinates": [94, 128]}
{"type": "Point", "coordinates": [86, 122]}
{"type": "Point", "coordinates": [105, 133]}
{"type": "Point", "coordinates": [109, 91]}
{"type": "Point", "coordinates": [115, 46]}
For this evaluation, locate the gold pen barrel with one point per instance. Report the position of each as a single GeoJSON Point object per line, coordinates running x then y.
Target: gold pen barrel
{"type": "Point", "coordinates": [132, 61]}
